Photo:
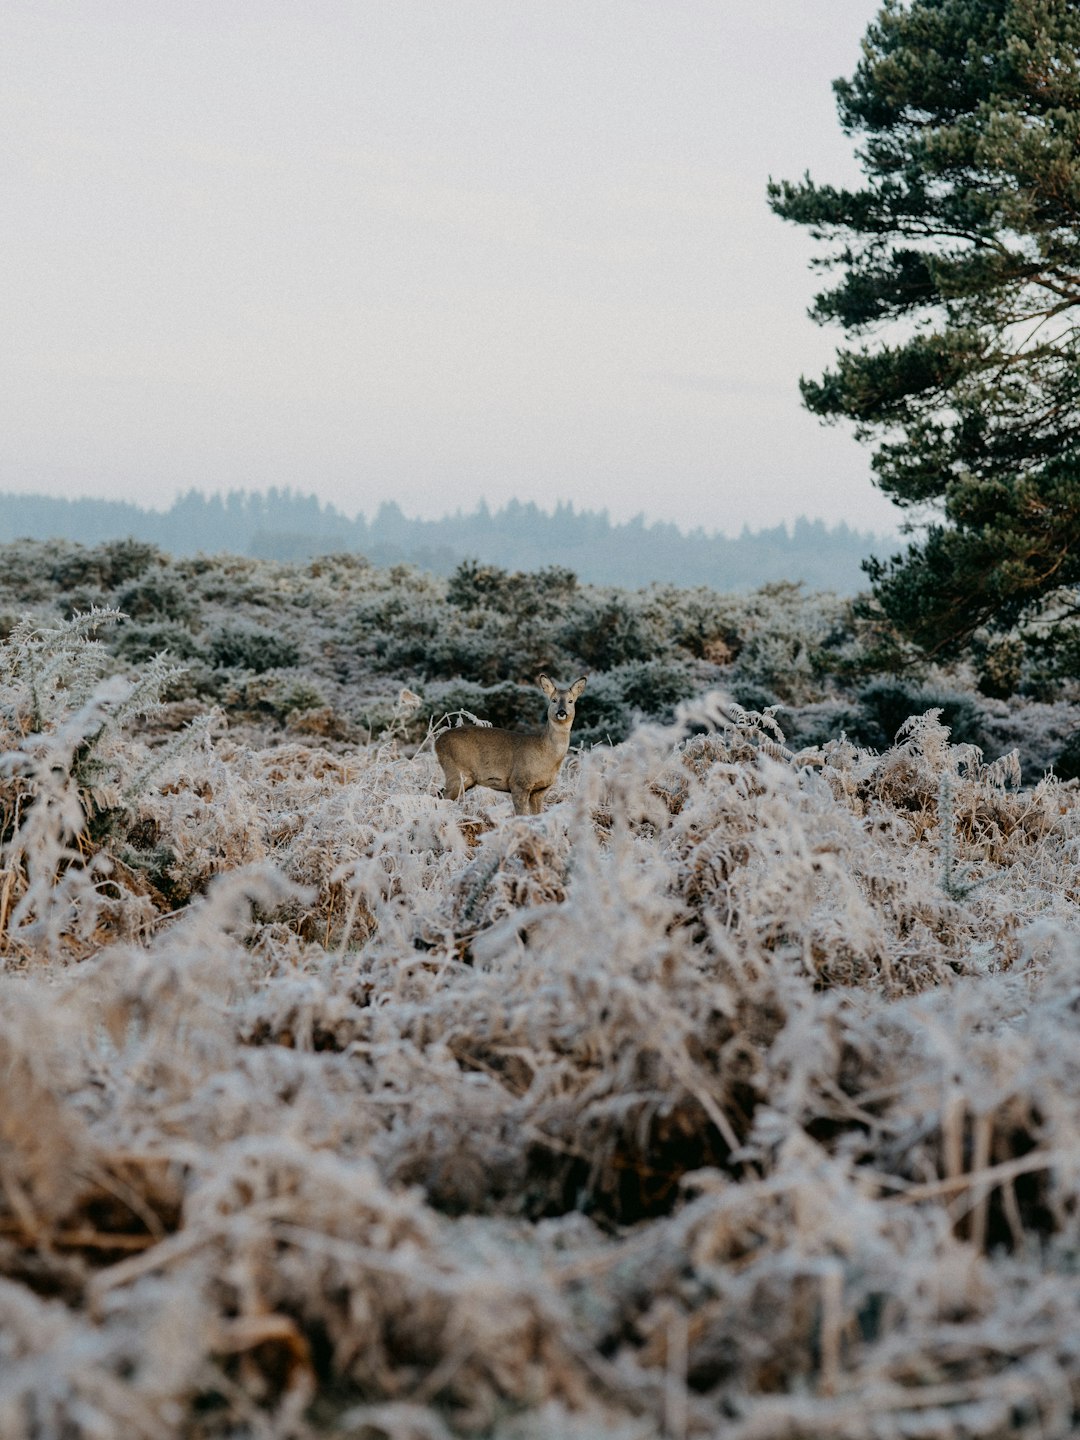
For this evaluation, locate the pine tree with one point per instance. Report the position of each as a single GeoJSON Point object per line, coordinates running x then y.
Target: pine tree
{"type": "Point", "coordinates": [960, 263]}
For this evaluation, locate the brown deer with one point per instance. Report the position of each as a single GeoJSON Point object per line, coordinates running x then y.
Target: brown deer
{"type": "Point", "coordinates": [525, 763]}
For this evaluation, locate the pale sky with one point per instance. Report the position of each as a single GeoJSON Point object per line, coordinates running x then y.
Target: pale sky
{"type": "Point", "coordinates": [424, 250]}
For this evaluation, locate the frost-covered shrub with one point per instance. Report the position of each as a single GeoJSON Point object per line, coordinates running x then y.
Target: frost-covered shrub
{"type": "Point", "coordinates": [609, 629]}
{"type": "Point", "coordinates": [431, 640]}
{"type": "Point", "coordinates": [105, 566]}
{"type": "Point", "coordinates": [885, 705]}
{"type": "Point", "coordinates": [513, 706]}
{"type": "Point", "coordinates": [231, 580]}
{"type": "Point", "coordinates": [789, 643]}
{"type": "Point", "coordinates": [338, 567]}
{"type": "Point", "coordinates": [273, 696]}
{"type": "Point", "coordinates": [439, 647]}
{"type": "Point", "coordinates": [157, 596]}
{"type": "Point", "coordinates": [1037, 731]}
{"type": "Point", "coordinates": [475, 586]}
{"type": "Point", "coordinates": [297, 694]}
{"type": "Point", "coordinates": [27, 572]}
{"type": "Point", "coordinates": [1067, 763]}
{"type": "Point", "coordinates": [1052, 662]}
{"type": "Point", "coordinates": [252, 647]}
{"type": "Point", "coordinates": [697, 622]}
{"type": "Point", "coordinates": [749, 694]}
{"type": "Point", "coordinates": [136, 643]}
{"type": "Point", "coordinates": [1000, 666]}
{"type": "Point", "coordinates": [816, 724]}
{"type": "Point", "coordinates": [616, 699]}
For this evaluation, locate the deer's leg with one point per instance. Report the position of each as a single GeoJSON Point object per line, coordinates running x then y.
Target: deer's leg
{"type": "Point", "coordinates": [521, 798]}
{"type": "Point", "coordinates": [536, 800]}
{"type": "Point", "coordinates": [455, 783]}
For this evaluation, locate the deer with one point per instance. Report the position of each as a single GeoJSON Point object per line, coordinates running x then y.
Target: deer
{"type": "Point", "coordinates": [525, 763]}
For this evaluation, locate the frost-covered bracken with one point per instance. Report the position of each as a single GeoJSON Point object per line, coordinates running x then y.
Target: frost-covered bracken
{"type": "Point", "coordinates": [736, 1093]}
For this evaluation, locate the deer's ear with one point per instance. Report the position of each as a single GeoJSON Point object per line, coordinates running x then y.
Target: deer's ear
{"type": "Point", "coordinates": [577, 687]}
{"type": "Point", "coordinates": [547, 687]}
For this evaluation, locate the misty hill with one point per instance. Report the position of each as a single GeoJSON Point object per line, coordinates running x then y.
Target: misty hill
{"type": "Point", "coordinates": [285, 525]}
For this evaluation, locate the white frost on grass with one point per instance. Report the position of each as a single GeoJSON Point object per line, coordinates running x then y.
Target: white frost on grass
{"type": "Point", "coordinates": [696, 1105]}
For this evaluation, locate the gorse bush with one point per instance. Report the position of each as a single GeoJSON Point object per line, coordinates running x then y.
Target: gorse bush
{"type": "Point", "coordinates": [276, 697]}
{"type": "Point", "coordinates": [1067, 764]}
{"type": "Point", "coordinates": [474, 586]}
{"type": "Point", "coordinates": [105, 567]}
{"type": "Point", "coordinates": [614, 633]}
{"type": "Point", "coordinates": [513, 706]}
{"type": "Point", "coordinates": [250, 647]}
{"type": "Point", "coordinates": [137, 642]}
{"type": "Point", "coordinates": [885, 706]}
{"type": "Point", "coordinates": [1051, 654]}
{"type": "Point", "coordinates": [629, 693]}
{"type": "Point", "coordinates": [157, 597]}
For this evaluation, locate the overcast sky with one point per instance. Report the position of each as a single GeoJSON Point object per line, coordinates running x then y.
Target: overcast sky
{"type": "Point", "coordinates": [424, 250]}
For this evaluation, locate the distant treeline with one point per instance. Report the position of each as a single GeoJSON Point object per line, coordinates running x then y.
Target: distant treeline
{"type": "Point", "coordinates": [285, 525]}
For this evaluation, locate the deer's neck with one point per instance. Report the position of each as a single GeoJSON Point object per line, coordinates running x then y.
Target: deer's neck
{"type": "Point", "coordinates": [557, 738]}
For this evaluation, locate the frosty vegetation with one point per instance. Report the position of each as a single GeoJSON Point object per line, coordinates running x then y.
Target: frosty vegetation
{"type": "Point", "coordinates": [735, 1094]}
